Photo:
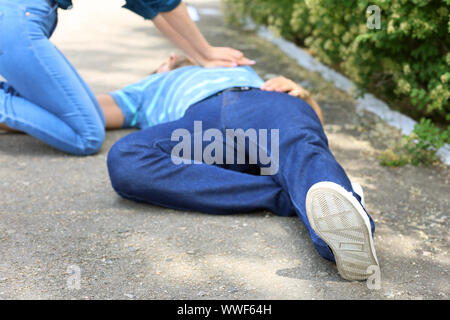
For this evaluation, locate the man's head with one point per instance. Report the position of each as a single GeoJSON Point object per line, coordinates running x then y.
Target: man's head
{"type": "Point", "coordinates": [174, 62]}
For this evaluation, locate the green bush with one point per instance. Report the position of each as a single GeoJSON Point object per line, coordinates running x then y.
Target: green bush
{"type": "Point", "coordinates": [419, 148]}
{"type": "Point", "coordinates": [406, 62]}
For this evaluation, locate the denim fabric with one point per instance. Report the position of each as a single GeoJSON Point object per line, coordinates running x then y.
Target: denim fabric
{"type": "Point", "coordinates": [145, 8]}
{"type": "Point", "coordinates": [44, 96]}
{"type": "Point", "coordinates": [64, 4]}
{"type": "Point", "coordinates": [141, 168]}
{"type": "Point", "coordinates": [149, 9]}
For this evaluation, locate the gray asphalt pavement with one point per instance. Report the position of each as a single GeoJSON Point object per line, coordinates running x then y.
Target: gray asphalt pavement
{"type": "Point", "coordinates": [58, 213]}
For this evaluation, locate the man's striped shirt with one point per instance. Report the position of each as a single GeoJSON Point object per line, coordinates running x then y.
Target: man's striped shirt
{"type": "Point", "coordinates": [165, 97]}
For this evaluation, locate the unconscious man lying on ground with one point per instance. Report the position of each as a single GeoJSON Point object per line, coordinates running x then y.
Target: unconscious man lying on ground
{"type": "Point", "coordinates": [222, 141]}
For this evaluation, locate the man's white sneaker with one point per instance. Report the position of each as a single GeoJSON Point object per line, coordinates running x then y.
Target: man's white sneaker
{"type": "Point", "coordinates": [340, 220]}
{"type": "Point", "coordinates": [359, 191]}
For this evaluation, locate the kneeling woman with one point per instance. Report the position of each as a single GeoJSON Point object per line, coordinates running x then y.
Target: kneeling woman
{"type": "Point", "coordinates": [44, 95]}
{"type": "Point", "coordinates": [308, 181]}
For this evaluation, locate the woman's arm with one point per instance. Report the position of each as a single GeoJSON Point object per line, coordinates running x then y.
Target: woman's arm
{"type": "Point", "coordinates": [282, 84]}
{"type": "Point", "coordinates": [169, 32]}
{"type": "Point", "coordinates": [180, 29]}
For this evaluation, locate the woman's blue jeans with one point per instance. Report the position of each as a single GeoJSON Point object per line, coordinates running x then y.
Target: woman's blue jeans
{"type": "Point", "coordinates": [44, 95]}
{"type": "Point", "coordinates": [141, 167]}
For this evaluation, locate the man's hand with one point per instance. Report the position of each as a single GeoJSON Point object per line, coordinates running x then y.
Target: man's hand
{"type": "Point", "coordinates": [282, 84]}
{"type": "Point", "coordinates": [224, 57]}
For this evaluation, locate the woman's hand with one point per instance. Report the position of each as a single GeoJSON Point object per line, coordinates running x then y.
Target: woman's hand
{"type": "Point", "coordinates": [224, 57]}
{"type": "Point", "coordinates": [282, 84]}
{"type": "Point", "coordinates": [179, 27]}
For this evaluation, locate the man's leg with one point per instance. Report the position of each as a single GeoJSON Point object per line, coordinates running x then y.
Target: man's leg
{"type": "Point", "coordinates": [141, 169]}
{"type": "Point", "coordinates": [304, 157]}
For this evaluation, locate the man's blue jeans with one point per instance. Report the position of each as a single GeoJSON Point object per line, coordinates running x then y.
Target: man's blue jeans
{"type": "Point", "coordinates": [44, 96]}
{"type": "Point", "coordinates": [141, 167]}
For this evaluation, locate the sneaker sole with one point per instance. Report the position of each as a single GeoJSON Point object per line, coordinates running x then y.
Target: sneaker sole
{"type": "Point", "coordinates": [339, 219]}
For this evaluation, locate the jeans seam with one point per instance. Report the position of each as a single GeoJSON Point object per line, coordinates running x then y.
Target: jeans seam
{"type": "Point", "coordinates": [50, 133]}
{"type": "Point", "coordinates": [1, 26]}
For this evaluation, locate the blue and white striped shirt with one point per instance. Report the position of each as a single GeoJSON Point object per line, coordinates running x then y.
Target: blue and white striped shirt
{"type": "Point", "coordinates": [166, 96]}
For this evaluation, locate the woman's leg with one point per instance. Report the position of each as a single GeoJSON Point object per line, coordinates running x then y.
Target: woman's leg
{"type": "Point", "coordinates": [44, 96]}
{"type": "Point", "coordinates": [114, 116]}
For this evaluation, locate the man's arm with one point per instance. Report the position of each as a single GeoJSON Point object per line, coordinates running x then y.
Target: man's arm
{"type": "Point", "coordinates": [6, 128]}
{"type": "Point", "coordinates": [282, 84]}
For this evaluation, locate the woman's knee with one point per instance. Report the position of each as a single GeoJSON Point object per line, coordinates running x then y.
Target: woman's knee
{"type": "Point", "coordinates": [92, 141]}
{"type": "Point", "coordinates": [89, 125]}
